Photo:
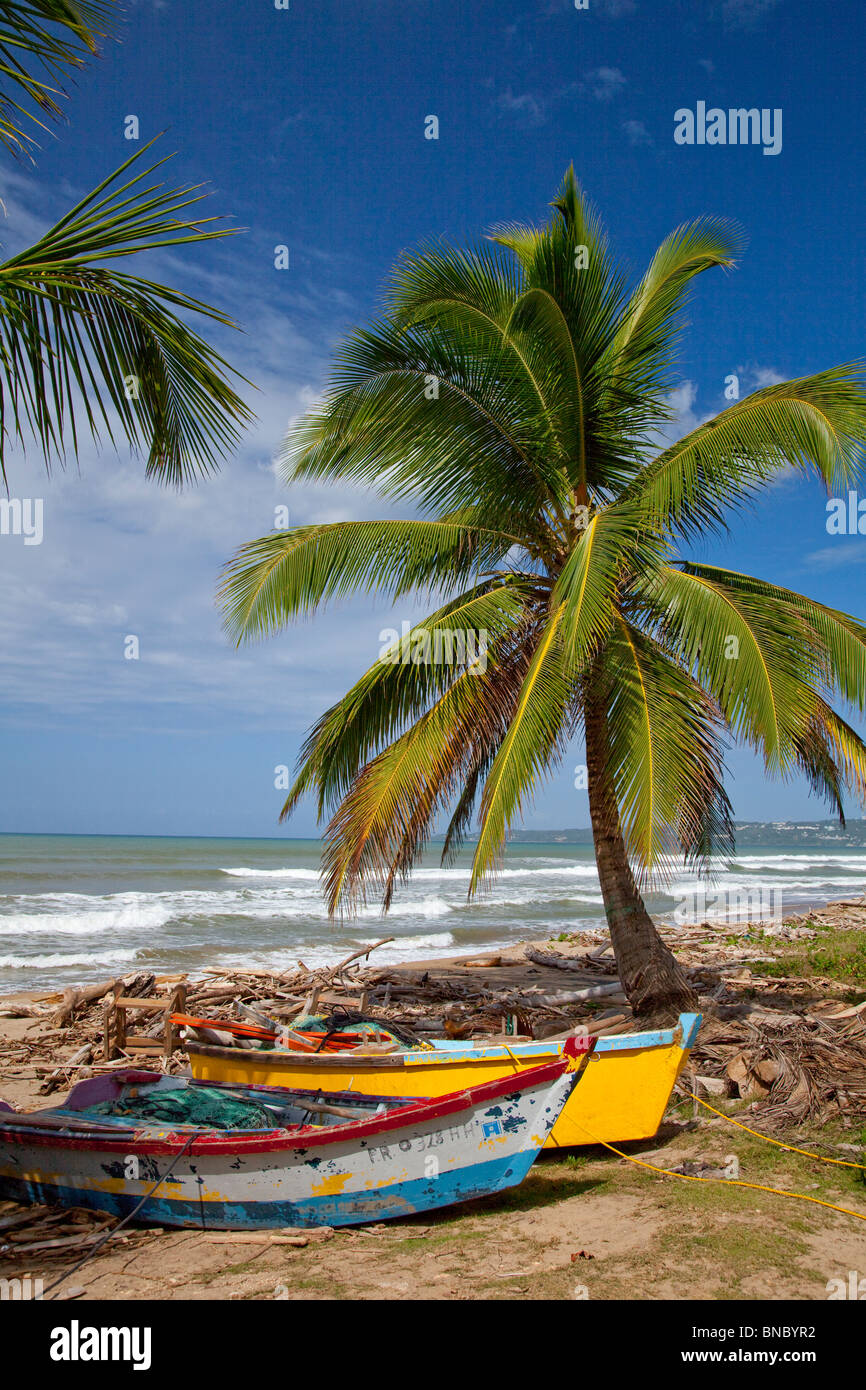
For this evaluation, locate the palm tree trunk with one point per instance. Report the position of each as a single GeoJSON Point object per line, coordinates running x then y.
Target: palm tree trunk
{"type": "Point", "coordinates": [651, 976]}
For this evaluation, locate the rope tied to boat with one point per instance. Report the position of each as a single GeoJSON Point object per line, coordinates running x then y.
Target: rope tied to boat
{"type": "Point", "coordinates": [732, 1182]}
{"type": "Point", "coordinates": [119, 1227]}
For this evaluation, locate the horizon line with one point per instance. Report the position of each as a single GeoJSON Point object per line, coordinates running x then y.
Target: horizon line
{"type": "Point", "coordinates": [282, 839]}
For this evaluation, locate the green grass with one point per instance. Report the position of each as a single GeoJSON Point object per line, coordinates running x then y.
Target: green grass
{"type": "Point", "coordinates": [839, 956]}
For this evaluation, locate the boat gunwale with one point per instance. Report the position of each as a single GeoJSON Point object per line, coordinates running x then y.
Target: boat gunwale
{"type": "Point", "coordinates": [681, 1034]}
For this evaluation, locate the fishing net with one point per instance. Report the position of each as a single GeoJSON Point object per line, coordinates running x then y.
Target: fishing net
{"type": "Point", "coordinates": [342, 1020]}
{"type": "Point", "coordinates": [205, 1106]}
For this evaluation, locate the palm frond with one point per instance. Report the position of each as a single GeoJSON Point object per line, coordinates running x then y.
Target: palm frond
{"type": "Point", "coordinates": [840, 639]}
{"type": "Point", "coordinates": [832, 757]}
{"type": "Point", "coordinates": [572, 304]}
{"type": "Point", "coordinates": [650, 325]}
{"type": "Point", "coordinates": [665, 755]}
{"type": "Point", "coordinates": [814, 424]}
{"type": "Point", "coordinates": [41, 41]}
{"type": "Point", "coordinates": [287, 574]}
{"type": "Point", "coordinates": [80, 343]}
{"type": "Point", "coordinates": [421, 413]}
{"type": "Point", "coordinates": [381, 825]}
{"type": "Point", "coordinates": [481, 627]}
{"type": "Point", "coordinates": [757, 663]}
{"type": "Point", "coordinates": [616, 543]}
{"type": "Point", "coordinates": [478, 294]}
{"type": "Point", "coordinates": [537, 732]}
{"type": "Point", "coordinates": [847, 749]}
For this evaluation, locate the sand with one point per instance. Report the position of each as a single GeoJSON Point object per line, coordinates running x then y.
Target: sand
{"type": "Point", "coordinates": [585, 1226]}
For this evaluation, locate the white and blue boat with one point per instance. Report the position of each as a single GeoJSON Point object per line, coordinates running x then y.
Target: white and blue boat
{"type": "Point", "coordinates": [280, 1159]}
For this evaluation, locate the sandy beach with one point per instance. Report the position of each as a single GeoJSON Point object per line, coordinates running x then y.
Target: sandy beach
{"type": "Point", "coordinates": [588, 1223]}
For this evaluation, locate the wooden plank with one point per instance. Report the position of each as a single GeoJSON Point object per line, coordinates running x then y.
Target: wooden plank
{"type": "Point", "coordinates": [154, 1006]}
{"type": "Point", "coordinates": [176, 1004]}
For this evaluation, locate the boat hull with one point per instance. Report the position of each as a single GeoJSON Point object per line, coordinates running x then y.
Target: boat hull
{"type": "Point", "coordinates": [623, 1094]}
{"type": "Point", "coordinates": [414, 1159]}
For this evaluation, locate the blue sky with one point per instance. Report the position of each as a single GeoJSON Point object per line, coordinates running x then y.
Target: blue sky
{"type": "Point", "coordinates": [308, 124]}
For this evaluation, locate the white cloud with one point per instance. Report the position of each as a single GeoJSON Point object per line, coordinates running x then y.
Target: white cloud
{"type": "Point", "coordinates": [765, 376]}
{"type": "Point", "coordinates": [605, 83]}
{"type": "Point", "coordinates": [680, 403]}
{"type": "Point", "coordinates": [525, 106]}
{"type": "Point", "coordinates": [637, 133]}
{"type": "Point", "coordinates": [847, 551]}
{"type": "Point", "coordinates": [122, 556]}
{"type": "Point", "coordinates": [745, 14]}
{"type": "Point", "coordinates": [752, 376]}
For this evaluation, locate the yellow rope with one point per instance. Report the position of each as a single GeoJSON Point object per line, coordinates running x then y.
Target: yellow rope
{"type": "Point", "coordinates": [733, 1182]}
{"type": "Point", "coordinates": [792, 1148]}
{"type": "Point", "coordinates": [517, 1065]}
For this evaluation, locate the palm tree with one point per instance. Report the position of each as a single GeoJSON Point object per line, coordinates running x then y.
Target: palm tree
{"type": "Point", "coordinates": [516, 393]}
{"type": "Point", "coordinates": [82, 344]}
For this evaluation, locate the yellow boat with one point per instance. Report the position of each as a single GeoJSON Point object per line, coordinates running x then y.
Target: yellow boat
{"type": "Point", "coordinates": [623, 1094]}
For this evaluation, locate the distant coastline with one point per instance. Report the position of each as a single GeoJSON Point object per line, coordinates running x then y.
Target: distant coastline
{"type": "Point", "coordinates": [749, 834]}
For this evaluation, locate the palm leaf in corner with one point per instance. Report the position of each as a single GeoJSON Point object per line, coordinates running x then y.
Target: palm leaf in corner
{"type": "Point", "coordinates": [88, 348]}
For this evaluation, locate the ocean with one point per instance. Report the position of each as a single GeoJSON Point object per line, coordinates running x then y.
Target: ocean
{"type": "Point", "coordinates": [74, 909]}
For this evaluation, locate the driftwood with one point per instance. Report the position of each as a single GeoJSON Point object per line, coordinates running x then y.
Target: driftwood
{"type": "Point", "coordinates": [553, 959]}
{"type": "Point", "coordinates": [356, 955]}
{"type": "Point", "coordinates": [66, 1243]}
{"type": "Point", "coordinates": [577, 996]}
{"type": "Point", "coordinates": [607, 1023]}
{"type": "Point", "coordinates": [78, 1059]}
{"type": "Point", "coordinates": [76, 998]}
{"type": "Point", "coordinates": [601, 950]}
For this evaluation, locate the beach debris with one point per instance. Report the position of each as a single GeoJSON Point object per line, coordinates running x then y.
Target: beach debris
{"type": "Point", "coordinates": [589, 965]}
{"type": "Point", "coordinates": [811, 1070]}
{"type": "Point", "coordinates": [248, 1238]}
{"type": "Point", "coordinates": [77, 998]}
{"type": "Point", "coordinates": [713, 1085]}
{"type": "Point", "coordinates": [791, 1047]}
{"type": "Point", "coordinates": [60, 1075]}
{"type": "Point", "coordinates": [707, 1168]}
{"type": "Point", "coordinates": [37, 1230]}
